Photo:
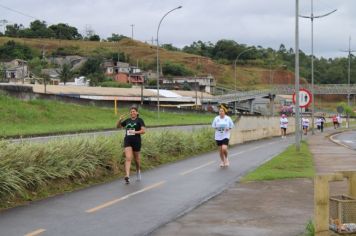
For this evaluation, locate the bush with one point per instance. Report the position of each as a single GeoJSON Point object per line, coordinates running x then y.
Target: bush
{"type": "Point", "coordinates": [175, 69]}
{"type": "Point", "coordinates": [115, 84]}
{"type": "Point", "coordinates": [27, 169]}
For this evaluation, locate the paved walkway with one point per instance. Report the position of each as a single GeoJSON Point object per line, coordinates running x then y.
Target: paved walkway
{"type": "Point", "coordinates": [265, 208]}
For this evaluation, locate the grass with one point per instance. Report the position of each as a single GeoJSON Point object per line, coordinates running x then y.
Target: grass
{"type": "Point", "coordinates": [289, 164]}
{"type": "Point", "coordinates": [31, 171]}
{"type": "Point", "coordinates": [22, 118]}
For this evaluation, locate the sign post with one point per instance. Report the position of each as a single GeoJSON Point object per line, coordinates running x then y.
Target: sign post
{"type": "Point", "coordinates": [305, 98]}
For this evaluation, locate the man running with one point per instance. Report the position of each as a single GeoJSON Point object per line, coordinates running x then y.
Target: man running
{"type": "Point", "coordinates": [134, 127]}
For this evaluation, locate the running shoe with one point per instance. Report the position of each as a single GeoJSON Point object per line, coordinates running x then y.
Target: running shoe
{"type": "Point", "coordinates": [222, 164]}
{"type": "Point", "coordinates": [127, 180]}
{"type": "Point", "coordinates": [138, 175]}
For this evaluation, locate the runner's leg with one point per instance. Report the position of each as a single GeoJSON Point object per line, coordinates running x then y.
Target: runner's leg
{"type": "Point", "coordinates": [128, 155]}
{"type": "Point", "coordinates": [225, 152]}
{"type": "Point", "coordinates": [138, 164]}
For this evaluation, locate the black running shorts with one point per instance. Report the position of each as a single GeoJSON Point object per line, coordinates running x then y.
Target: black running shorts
{"type": "Point", "coordinates": [135, 143]}
{"type": "Point", "coordinates": [225, 141]}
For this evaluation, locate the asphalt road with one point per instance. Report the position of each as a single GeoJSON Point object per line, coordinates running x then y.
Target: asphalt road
{"type": "Point", "coordinates": [347, 139]}
{"type": "Point", "coordinates": [105, 133]}
{"type": "Point", "coordinates": [164, 194]}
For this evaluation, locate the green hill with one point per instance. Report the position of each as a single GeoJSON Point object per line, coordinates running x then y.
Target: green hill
{"type": "Point", "coordinates": [143, 54]}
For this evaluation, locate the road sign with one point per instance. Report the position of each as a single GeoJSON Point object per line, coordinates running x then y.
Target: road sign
{"type": "Point", "coordinates": [340, 109]}
{"type": "Point", "coordinates": [305, 98]}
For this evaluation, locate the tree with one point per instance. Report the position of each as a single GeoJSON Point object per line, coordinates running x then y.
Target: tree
{"type": "Point", "coordinates": [91, 66]}
{"type": "Point", "coordinates": [13, 30]}
{"type": "Point", "coordinates": [45, 80]}
{"type": "Point", "coordinates": [94, 37]}
{"type": "Point", "coordinates": [65, 73]}
{"type": "Point", "coordinates": [12, 50]}
{"type": "Point", "coordinates": [116, 37]}
{"type": "Point", "coordinates": [170, 47]}
{"type": "Point", "coordinates": [64, 31]}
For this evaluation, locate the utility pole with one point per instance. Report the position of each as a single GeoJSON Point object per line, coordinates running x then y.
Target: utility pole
{"type": "Point", "coordinates": [311, 17]}
{"type": "Point", "coordinates": [196, 92]}
{"type": "Point", "coordinates": [297, 114]}
{"type": "Point", "coordinates": [132, 31]}
{"type": "Point", "coordinates": [349, 81]}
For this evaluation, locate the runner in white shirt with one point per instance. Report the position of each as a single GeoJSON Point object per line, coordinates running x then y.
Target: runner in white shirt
{"type": "Point", "coordinates": [222, 125]}
{"type": "Point", "coordinates": [318, 123]}
{"type": "Point", "coordinates": [305, 125]}
{"type": "Point", "coordinates": [283, 121]}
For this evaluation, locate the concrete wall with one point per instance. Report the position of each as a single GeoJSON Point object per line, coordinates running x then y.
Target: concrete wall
{"type": "Point", "coordinates": [248, 128]}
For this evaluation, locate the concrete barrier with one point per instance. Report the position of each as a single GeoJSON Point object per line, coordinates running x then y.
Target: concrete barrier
{"type": "Point", "coordinates": [249, 128]}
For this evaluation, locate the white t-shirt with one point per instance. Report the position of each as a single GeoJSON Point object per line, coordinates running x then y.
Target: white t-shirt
{"type": "Point", "coordinates": [318, 122]}
{"type": "Point", "coordinates": [222, 127]}
{"type": "Point", "coordinates": [305, 122]}
{"type": "Point", "coordinates": [283, 122]}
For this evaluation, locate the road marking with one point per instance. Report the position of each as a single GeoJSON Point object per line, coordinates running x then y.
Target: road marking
{"type": "Point", "coordinates": [252, 149]}
{"type": "Point", "coordinates": [36, 232]}
{"type": "Point", "coordinates": [338, 141]}
{"type": "Point", "coordinates": [197, 168]}
{"type": "Point", "coordinates": [107, 204]}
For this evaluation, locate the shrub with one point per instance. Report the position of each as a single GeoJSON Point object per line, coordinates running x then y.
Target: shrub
{"type": "Point", "coordinates": [30, 168]}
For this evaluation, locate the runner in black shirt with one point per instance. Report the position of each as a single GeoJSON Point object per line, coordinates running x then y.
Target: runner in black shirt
{"type": "Point", "coordinates": [134, 127]}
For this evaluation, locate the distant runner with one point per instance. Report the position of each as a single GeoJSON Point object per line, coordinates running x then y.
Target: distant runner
{"type": "Point", "coordinates": [283, 122]}
{"type": "Point", "coordinates": [305, 125]}
{"type": "Point", "coordinates": [222, 125]}
{"type": "Point", "coordinates": [134, 126]}
{"type": "Point", "coordinates": [335, 121]}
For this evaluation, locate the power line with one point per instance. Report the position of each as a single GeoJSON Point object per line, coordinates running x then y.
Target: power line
{"type": "Point", "coordinates": [19, 12]}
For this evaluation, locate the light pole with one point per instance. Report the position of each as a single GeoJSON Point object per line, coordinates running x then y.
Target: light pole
{"type": "Point", "coordinates": [311, 17]}
{"type": "Point", "coordinates": [297, 115]}
{"type": "Point", "coordinates": [237, 58]}
{"type": "Point", "coordinates": [349, 81]}
{"type": "Point", "coordinates": [271, 74]}
{"type": "Point", "coordinates": [132, 31]}
{"type": "Point", "coordinates": [159, 25]}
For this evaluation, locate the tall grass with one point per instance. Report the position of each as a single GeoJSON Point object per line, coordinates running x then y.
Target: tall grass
{"type": "Point", "coordinates": [29, 169]}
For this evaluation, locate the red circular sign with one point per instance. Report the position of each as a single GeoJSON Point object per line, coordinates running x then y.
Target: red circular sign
{"type": "Point", "coordinates": [305, 98]}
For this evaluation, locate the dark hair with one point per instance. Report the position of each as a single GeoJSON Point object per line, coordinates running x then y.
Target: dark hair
{"type": "Point", "coordinates": [134, 107]}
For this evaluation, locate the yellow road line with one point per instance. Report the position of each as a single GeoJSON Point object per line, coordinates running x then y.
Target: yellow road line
{"type": "Point", "coordinates": [197, 168]}
{"type": "Point", "coordinates": [36, 232]}
{"type": "Point", "coordinates": [107, 204]}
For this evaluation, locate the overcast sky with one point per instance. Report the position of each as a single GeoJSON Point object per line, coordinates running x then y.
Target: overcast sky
{"type": "Point", "coordinates": [267, 23]}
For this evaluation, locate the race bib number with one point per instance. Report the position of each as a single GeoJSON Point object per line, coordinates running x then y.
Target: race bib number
{"type": "Point", "coordinates": [130, 132]}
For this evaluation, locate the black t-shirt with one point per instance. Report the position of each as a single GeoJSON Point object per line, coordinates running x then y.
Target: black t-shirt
{"type": "Point", "coordinates": [132, 125]}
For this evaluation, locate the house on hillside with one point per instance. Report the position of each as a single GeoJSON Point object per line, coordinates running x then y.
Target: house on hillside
{"type": "Point", "coordinates": [16, 69]}
{"type": "Point", "coordinates": [74, 61]}
{"type": "Point", "coordinates": [122, 72]}
{"type": "Point", "coordinates": [199, 83]}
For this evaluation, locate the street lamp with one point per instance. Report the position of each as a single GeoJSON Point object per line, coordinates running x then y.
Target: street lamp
{"type": "Point", "coordinates": [348, 82]}
{"type": "Point", "coordinates": [237, 58]}
{"type": "Point", "coordinates": [159, 25]}
{"type": "Point", "coordinates": [311, 17]}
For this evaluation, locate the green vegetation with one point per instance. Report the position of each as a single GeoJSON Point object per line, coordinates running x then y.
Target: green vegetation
{"type": "Point", "coordinates": [114, 84]}
{"type": "Point", "coordinates": [19, 118]}
{"type": "Point", "coordinates": [12, 50]}
{"type": "Point", "coordinates": [288, 164]}
{"type": "Point", "coordinates": [309, 229]}
{"type": "Point", "coordinates": [31, 171]}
